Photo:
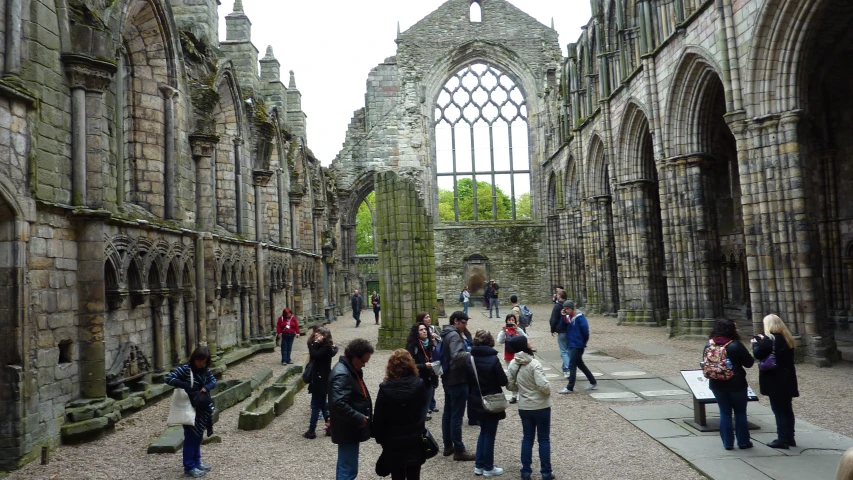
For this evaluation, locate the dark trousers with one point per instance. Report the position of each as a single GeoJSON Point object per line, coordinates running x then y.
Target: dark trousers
{"type": "Point", "coordinates": [493, 302]}
{"type": "Point", "coordinates": [536, 424]}
{"type": "Point", "coordinates": [733, 402]}
{"type": "Point", "coordinates": [576, 362]}
{"type": "Point", "coordinates": [485, 457]}
{"type": "Point", "coordinates": [783, 409]}
{"type": "Point", "coordinates": [455, 401]}
{"type": "Point", "coordinates": [406, 473]}
{"type": "Point", "coordinates": [356, 314]}
{"type": "Point", "coordinates": [192, 449]}
{"type": "Point", "coordinates": [318, 404]}
{"type": "Point", "coordinates": [376, 315]}
{"type": "Point", "coordinates": [286, 347]}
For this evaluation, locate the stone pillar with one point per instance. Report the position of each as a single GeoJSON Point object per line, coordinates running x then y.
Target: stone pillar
{"type": "Point", "coordinates": [92, 304]}
{"type": "Point", "coordinates": [210, 328]}
{"type": "Point", "coordinates": [690, 243]}
{"type": "Point", "coordinates": [190, 321]}
{"type": "Point", "coordinates": [170, 191]}
{"type": "Point", "coordinates": [261, 179]}
{"type": "Point", "coordinates": [203, 147]}
{"type": "Point", "coordinates": [13, 38]}
{"type": "Point", "coordinates": [406, 244]}
{"type": "Point", "coordinates": [240, 197]}
{"type": "Point", "coordinates": [200, 295]}
{"type": "Point", "coordinates": [297, 289]}
{"type": "Point", "coordinates": [174, 300]}
{"type": "Point", "coordinates": [157, 299]}
{"type": "Point", "coordinates": [244, 314]}
{"type": "Point", "coordinates": [88, 78]}
{"type": "Point", "coordinates": [600, 257]}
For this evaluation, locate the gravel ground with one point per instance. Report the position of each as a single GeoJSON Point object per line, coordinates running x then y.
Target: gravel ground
{"type": "Point", "coordinates": [589, 441]}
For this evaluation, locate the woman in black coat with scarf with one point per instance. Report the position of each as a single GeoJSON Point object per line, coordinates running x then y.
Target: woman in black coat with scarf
{"type": "Point", "coordinates": [491, 380]}
{"type": "Point", "coordinates": [321, 351]}
{"type": "Point", "coordinates": [779, 383]}
{"type": "Point", "coordinates": [397, 419]}
{"type": "Point", "coordinates": [420, 345]}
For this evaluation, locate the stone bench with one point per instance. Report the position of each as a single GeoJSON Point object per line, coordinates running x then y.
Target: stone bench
{"type": "Point", "coordinates": [272, 401]}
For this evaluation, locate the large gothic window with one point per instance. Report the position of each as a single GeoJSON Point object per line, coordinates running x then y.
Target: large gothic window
{"type": "Point", "coordinates": [481, 136]}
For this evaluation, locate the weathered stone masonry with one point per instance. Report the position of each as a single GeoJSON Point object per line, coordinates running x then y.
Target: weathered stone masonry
{"type": "Point", "coordinates": [156, 193]}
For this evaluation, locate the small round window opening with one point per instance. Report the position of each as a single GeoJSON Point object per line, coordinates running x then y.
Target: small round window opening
{"type": "Point", "coordinates": [65, 351]}
{"type": "Point", "coordinates": [476, 13]}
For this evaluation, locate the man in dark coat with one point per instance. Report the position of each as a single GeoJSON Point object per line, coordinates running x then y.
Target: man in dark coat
{"type": "Point", "coordinates": [455, 383]}
{"type": "Point", "coordinates": [357, 307]}
{"type": "Point", "coordinates": [492, 294]}
{"type": "Point", "coordinates": [558, 328]}
{"type": "Point", "coordinates": [350, 406]}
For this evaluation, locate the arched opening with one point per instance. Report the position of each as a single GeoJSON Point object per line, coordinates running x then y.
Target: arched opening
{"type": "Point", "coordinates": [475, 13]}
{"type": "Point", "coordinates": [228, 167]}
{"type": "Point", "coordinates": [598, 236]}
{"type": "Point", "coordinates": [8, 287]}
{"type": "Point", "coordinates": [365, 226]}
{"type": "Point", "coordinates": [481, 147]}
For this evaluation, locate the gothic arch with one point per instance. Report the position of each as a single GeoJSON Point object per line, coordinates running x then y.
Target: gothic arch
{"type": "Point", "coordinates": [690, 102]}
{"type": "Point", "coordinates": [552, 193]}
{"type": "Point", "coordinates": [634, 139]}
{"type": "Point", "coordinates": [572, 188]}
{"type": "Point", "coordinates": [229, 126]}
{"type": "Point", "coordinates": [598, 182]}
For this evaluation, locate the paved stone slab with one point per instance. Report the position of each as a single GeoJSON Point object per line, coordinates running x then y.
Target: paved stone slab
{"type": "Point", "coordinates": [808, 441]}
{"type": "Point", "coordinates": [616, 396]}
{"type": "Point", "coordinates": [597, 358]}
{"type": "Point", "coordinates": [652, 349]}
{"type": "Point", "coordinates": [661, 428]}
{"type": "Point", "coordinates": [796, 468]}
{"type": "Point", "coordinates": [678, 381]}
{"type": "Point", "coordinates": [728, 469]}
{"type": "Point", "coordinates": [711, 447]}
{"type": "Point", "coordinates": [646, 384]}
{"type": "Point", "coordinates": [621, 370]}
{"type": "Point", "coordinates": [654, 412]}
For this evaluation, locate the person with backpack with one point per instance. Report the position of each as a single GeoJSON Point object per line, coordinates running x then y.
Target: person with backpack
{"type": "Point", "coordinates": [321, 352]}
{"type": "Point", "coordinates": [508, 332]}
{"type": "Point", "coordinates": [724, 361]}
{"type": "Point", "coordinates": [287, 328]}
{"type": "Point", "coordinates": [454, 380]}
{"type": "Point", "coordinates": [523, 315]}
{"type": "Point", "coordinates": [492, 296]}
{"type": "Point", "coordinates": [526, 377]}
{"type": "Point", "coordinates": [777, 376]}
{"type": "Point", "coordinates": [485, 377]}
{"type": "Point", "coordinates": [577, 336]}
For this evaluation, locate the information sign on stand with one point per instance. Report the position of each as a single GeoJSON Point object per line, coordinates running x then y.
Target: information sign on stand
{"type": "Point", "coordinates": [702, 395]}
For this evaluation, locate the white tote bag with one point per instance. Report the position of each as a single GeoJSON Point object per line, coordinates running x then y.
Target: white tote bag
{"type": "Point", "coordinates": [181, 412]}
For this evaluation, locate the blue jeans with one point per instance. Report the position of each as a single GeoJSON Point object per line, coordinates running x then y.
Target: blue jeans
{"type": "Point", "coordinates": [286, 347]}
{"type": "Point", "coordinates": [493, 302]}
{"type": "Point", "coordinates": [563, 343]}
{"type": "Point", "coordinates": [576, 362]}
{"type": "Point", "coordinates": [318, 404]}
{"type": "Point", "coordinates": [485, 457]}
{"type": "Point", "coordinates": [430, 399]}
{"type": "Point", "coordinates": [465, 308]}
{"type": "Point", "coordinates": [455, 400]}
{"type": "Point", "coordinates": [347, 467]}
{"type": "Point", "coordinates": [728, 402]}
{"type": "Point", "coordinates": [533, 423]}
{"type": "Point", "coordinates": [192, 449]}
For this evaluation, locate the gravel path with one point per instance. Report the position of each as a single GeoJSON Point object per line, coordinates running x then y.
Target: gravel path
{"type": "Point", "coordinates": [589, 441]}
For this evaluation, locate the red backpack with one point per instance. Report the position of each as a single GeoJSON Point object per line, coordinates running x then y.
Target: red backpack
{"type": "Point", "coordinates": [715, 364]}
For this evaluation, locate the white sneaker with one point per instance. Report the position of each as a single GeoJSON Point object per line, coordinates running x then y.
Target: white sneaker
{"type": "Point", "coordinates": [478, 471]}
{"type": "Point", "coordinates": [494, 472]}
{"type": "Point", "coordinates": [566, 374]}
{"type": "Point", "coordinates": [591, 386]}
{"type": "Point", "coordinates": [565, 391]}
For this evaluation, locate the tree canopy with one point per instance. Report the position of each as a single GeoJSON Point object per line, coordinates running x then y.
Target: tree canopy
{"type": "Point", "coordinates": [364, 226]}
{"type": "Point", "coordinates": [465, 190]}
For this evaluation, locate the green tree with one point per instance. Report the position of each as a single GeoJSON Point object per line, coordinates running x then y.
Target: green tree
{"type": "Point", "coordinates": [522, 207]}
{"type": "Point", "coordinates": [465, 189]}
{"type": "Point", "coordinates": [364, 226]}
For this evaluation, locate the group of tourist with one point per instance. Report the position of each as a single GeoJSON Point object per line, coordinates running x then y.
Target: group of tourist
{"type": "Point", "coordinates": [357, 304]}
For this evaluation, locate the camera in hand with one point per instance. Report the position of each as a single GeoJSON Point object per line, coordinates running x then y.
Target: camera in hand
{"type": "Point", "coordinates": [509, 325]}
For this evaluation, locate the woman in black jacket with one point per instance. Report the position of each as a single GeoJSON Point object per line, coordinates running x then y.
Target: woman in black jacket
{"type": "Point", "coordinates": [731, 394]}
{"type": "Point", "coordinates": [420, 346]}
{"type": "Point", "coordinates": [321, 350]}
{"type": "Point", "coordinates": [350, 406]}
{"type": "Point", "coordinates": [491, 380]}
{"type": "Point", "coordinates": [779, 383]}
{"type": "Point", "coordinates": [397, 422]}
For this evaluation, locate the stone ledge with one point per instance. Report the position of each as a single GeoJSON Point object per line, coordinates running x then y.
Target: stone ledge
{"type": "Point", "coordinates": [169, 441]}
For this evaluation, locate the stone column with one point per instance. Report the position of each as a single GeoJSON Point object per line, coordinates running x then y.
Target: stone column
{"type": "Point", "coordinates": [171, 187]}
{"type": "Point", "coordinates": [13, 37]}
{"type": "Point", "coordinates": [157, 299]}
{"type": "Point", "coordinates": [200, 292]}
{"type": "Point", "coordinates": [203, 147]}
{"type": "Point", "coordinates": [600, 258]}
{"type": "Point", "coordinates": [240, 198]}
{"type": "Point", "coordinates": [174, 300]}
{"type": "Point", "coordinates": [261, 179]}
{"type": "Point", "coordinates": [406, 258]}
{"type": "Point", "coordinates": [190, 321]}
{"type": "Point", "coordinates": [690, 243]}
{"type": "Point", "coordinates": [92, 303]}
{"type": "Point", "coordinates": [88, 77]}
{"type": "Point", "coordinates": [244, 314]}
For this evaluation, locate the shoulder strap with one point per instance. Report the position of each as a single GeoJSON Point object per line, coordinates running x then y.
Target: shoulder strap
{"type": "Point", "coordinates": [474, 366]}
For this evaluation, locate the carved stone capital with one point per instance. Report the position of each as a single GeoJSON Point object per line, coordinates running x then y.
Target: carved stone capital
{"type": "Point", "coordinates": [203, 145]}
{"type": "Point", "coordinates": [262, 177]}
{"type": "Point", "coordinates": [168, 91]}
{"type": "Point", "coordinates": [88, 73]}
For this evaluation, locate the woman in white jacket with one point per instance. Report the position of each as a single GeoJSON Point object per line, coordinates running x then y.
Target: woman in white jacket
{"type": "Point", "coordinates": [526, 376]}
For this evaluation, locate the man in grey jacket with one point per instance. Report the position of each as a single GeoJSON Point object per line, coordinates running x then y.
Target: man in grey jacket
{"type": "Point", "coordinates": [455, 383]}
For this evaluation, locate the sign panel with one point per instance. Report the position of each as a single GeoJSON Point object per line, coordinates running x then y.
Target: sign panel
{"type": "Point", "coordinates": [701, 389]}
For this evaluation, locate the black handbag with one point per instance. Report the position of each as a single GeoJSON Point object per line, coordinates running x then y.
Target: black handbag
{"type": "Point", "coordinates": [307, 372]}
{"type": "Point", "coordinates": [428, 444]}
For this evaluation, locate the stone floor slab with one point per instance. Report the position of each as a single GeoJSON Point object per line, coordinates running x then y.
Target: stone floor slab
{"type": "Point", "coordinates": [678, 381]}
{"type": "Point", "coordinates": [652, 349]}
{"type": "Point", "coordinates": [729, 469]}
{"type": "Point", "coordinates": [820, 440]}
{"type": "Point", "coordinates": [616, 396]}
{"type": "Point", "coordinates": [796, 468]}
{"type": "Point", "coordinates": [661, 428]}
{"type": "Point", "coordinates": [647, 384]}
{"type": "Point", "coordinates": [708, 447]}
{"type": "Point", "coordinates": [654, 412]}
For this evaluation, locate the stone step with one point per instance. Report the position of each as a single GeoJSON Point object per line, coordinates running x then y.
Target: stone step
{"type": "Point", "coordinates": [169, 441]}
{"type": "Point", "coordinates": [846, 353]}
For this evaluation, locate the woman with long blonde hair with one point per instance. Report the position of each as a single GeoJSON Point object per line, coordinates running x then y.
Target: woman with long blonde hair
{"type": "Point", "coordinates": [777, 376]}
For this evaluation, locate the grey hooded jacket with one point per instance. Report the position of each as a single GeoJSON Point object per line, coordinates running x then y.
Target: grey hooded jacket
{"type": "Point", "coordinates": [454, 348]}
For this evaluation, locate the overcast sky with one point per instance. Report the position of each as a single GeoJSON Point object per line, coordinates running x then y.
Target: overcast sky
{"type": "Point", "coordinates": [332, 45]}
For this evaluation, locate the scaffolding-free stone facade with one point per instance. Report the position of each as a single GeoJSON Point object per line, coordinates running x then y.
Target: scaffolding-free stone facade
{"type": "Point", "coordinates": [156, 194]}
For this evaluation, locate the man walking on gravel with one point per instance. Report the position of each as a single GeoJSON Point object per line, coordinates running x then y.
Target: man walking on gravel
{"type": "Point", "coordinates": [577, 335]}
{"type": "Point", "coordinates": [350, 406]}
{"type": "Point", "coordinates": [455, 383]}
{"type": "Point", "coordinates": [357, 307]}
{"type": "Point", "coordinates": [558, 329]}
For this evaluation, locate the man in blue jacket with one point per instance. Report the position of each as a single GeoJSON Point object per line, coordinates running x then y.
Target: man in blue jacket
{"type": "Point", "coordinates": [577, 334]}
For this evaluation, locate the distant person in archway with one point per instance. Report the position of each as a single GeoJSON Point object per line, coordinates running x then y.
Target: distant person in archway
{"type": "Point", "coordinates": [492, 295]}
{"type": "Point", "coordinates": [374, 300]}
{"type": "Point", "coordinates": [465, 298]}
{"type": "Point", "coordinates": [357, 307]}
